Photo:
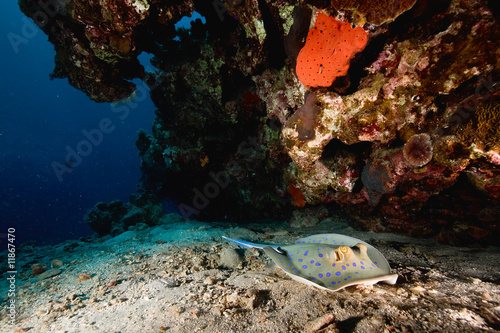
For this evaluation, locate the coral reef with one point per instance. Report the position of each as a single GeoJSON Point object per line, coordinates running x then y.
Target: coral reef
{"type": "Point", "coordinates": [394, 120]}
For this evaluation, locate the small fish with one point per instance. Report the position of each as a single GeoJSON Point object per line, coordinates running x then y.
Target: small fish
{"type": "Point", "coordinates": [328, 261]}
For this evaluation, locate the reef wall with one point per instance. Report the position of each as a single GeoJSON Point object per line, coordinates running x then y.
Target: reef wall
{"type": "Point", "coordinates": [387, 110]}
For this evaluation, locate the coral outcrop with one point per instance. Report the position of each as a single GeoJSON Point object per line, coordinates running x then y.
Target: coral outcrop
{"type": "Point", "coordinates": [388, 110]}
{"type": "Point", "coordinates": [116, 217]}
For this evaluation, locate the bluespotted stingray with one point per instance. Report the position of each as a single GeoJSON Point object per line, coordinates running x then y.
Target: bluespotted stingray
{"type": "Point", "coordinates": [329, 261]}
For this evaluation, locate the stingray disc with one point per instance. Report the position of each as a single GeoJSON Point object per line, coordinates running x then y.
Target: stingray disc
{"type": "Point", "coordinates": [329, 261]}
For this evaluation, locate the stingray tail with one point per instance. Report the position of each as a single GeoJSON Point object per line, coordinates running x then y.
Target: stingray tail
{"type": "Point", "coordinates": [246, 244]}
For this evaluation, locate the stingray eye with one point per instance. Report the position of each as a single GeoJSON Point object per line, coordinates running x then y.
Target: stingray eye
{"type": "Point", "coordinates": [344, 249]}
{"type": "Point", "coordinates": [338, 255]}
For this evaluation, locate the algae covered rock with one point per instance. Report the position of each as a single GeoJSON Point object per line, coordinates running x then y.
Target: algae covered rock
{"type": "Point", "coordinates": [116, 217]}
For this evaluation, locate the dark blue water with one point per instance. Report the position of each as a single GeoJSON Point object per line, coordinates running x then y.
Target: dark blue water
{"type": "Point", "coordinates": [40, 121]}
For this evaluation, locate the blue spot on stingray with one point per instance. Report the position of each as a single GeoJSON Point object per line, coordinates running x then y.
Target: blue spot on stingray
{"type": "Point", "coordinates": [333, 265]}
{"type": "Point", "coordinates": [288, 264]}
{"type": "Point", "coordinates": [345, 279]}
{"type": "Point", "coordinates": [354, 264]}
{"type": "Point", "coordinates": [343, 267]}
{"type": "Point", "coordinates": [320, 275]}
{"type": "Point", "coordinates": [361, 263]}
{"type": "Point", "coordinates": [304, 267]}
{"type": "Point", "coordinates": [318, 264]}
{"type": "Point", "coordinates": [312, 261]}
{"type": "Point", "coordinates": [298, 251]}
{"type": "Point", "coordinates": [300, 260]}
{"type": "Point", "coordinates": [306, 253]}
{"type": "Point", "coordinates": [291, 259]}
{"type": "Point", "coordinates": [320, 255]}
{"type": "Point", "coordinates": [357, 273]}
{"type": "Point", "coordinates": [348, 277]}
{"type": "Point", "coordinates": [347, 265]}
{"type": "Point", "coordinates": [338, 273]}
{"type": "Point", "coordinates": [376, 263]}
{"type": "Point", "coordinates": [362, 267]}
{"type": "Point", "coordinates": [328, 274]}
{"type": "Point", "coordinates": [313, 278]}
{"type": "Point", "coordinates": [333, 282]}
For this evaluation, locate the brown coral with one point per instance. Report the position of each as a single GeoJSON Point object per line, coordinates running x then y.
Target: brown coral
{"type": "Point", "coordinates": [373, 11]}
{"type": "Point", "coordinates": [418, 150]}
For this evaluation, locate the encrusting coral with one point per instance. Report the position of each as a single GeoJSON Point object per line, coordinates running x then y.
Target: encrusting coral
{"type": "Point", "coordinates": [329, 48]}
{"type": "Point", "coordinates": [374, 11]}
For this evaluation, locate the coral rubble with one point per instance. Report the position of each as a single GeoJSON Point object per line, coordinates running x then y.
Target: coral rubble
{"type": "Point", "coordinates": [275, 105]}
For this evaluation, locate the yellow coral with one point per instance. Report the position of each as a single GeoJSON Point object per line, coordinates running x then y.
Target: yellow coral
{"type": "Point", "coordinates": [483, 129]}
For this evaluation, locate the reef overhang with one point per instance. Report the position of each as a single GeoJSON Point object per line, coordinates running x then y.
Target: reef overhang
{"type": "Point", "coordinates": [404, 135]}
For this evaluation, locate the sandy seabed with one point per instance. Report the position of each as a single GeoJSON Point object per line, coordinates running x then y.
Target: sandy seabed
{"type": "Point", "coordinates": [183, 277]}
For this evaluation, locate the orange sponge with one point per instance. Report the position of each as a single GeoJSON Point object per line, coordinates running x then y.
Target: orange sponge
{"type": "Point", "coordinates": [330, 46]}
